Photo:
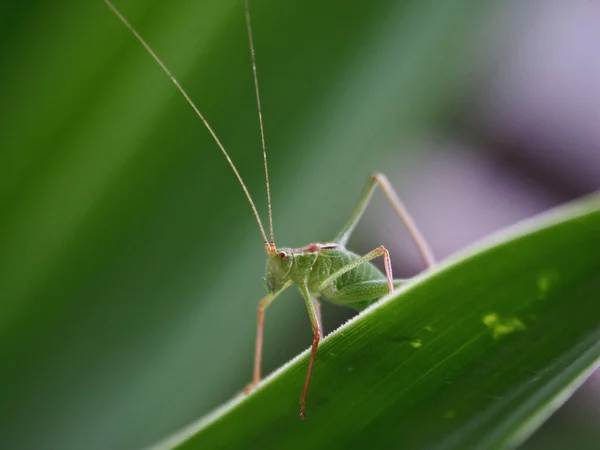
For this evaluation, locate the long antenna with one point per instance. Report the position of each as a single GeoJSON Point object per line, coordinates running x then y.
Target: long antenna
{"type": "Point", "coordinates": [196, 110]}
{"type": "Point", "coordinates": [260, 118]}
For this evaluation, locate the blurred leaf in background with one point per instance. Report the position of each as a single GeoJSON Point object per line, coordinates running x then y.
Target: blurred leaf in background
{"type": "Point", "coordinates": [130, 265]}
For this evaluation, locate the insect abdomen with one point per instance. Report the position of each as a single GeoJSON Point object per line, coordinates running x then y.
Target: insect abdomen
{"type": "Point", "coordinates": [328, 262]}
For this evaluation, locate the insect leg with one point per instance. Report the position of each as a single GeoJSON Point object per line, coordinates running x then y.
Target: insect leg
{"type": "Point", "coordinates": [262, 306]}
{"type": "Point", "coordinates": [318, 313]}
{"type": "Point", "coordinates": [379, 251]}
{"type": "Point", "coordinates": [405, 217]}
{"type": "Point", "coordinates": [312, 314]}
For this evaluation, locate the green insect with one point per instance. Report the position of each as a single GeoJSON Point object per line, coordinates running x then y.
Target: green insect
{"type": "Point", "coordinates": [325, 271]}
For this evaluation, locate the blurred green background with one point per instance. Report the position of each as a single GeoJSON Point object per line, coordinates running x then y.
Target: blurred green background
{"type": "Point", "coordinates": [130, 264]}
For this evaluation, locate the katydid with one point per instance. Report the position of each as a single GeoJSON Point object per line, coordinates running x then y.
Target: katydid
{"type": "Point", "coordinates": [325, 271]}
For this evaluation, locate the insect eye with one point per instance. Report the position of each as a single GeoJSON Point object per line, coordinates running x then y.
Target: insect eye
{"type": "Point", "coordinates": [283, 255]}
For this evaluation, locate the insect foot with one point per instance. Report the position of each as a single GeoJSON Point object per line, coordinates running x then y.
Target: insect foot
{"type": "Point", "coordinates": [248, 388]}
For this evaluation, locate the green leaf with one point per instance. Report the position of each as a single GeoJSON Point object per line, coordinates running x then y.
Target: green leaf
{"type": "Point", "coordinates": [474, 354]}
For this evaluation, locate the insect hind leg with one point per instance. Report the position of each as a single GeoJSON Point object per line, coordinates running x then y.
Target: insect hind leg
{"type": "Point", "coordinates": [379, 251]}
{"type": "Point", "coordinates": [378, 179]}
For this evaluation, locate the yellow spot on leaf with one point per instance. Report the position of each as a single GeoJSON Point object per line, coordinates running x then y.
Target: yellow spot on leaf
{"type": "Point", "coordinates": [502, 326]}
{"type": "Point", "coordinates": [429, 328]}
{"type": "Point", "coordinates": [545, 281]}
{"type": "Point", "coordinates": [416, 343]}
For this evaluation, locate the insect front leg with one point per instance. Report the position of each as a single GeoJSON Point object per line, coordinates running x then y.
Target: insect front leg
{"type": "Point", "coordinates": [262, 307]}
{"type": "Point", "coordinates": [316, 326]}
{"type": "Point", "coordinates": [381, 180]}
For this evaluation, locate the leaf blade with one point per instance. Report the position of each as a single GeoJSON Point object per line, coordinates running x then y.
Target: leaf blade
{"type": "Point", "coordinates": [482, 370]}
